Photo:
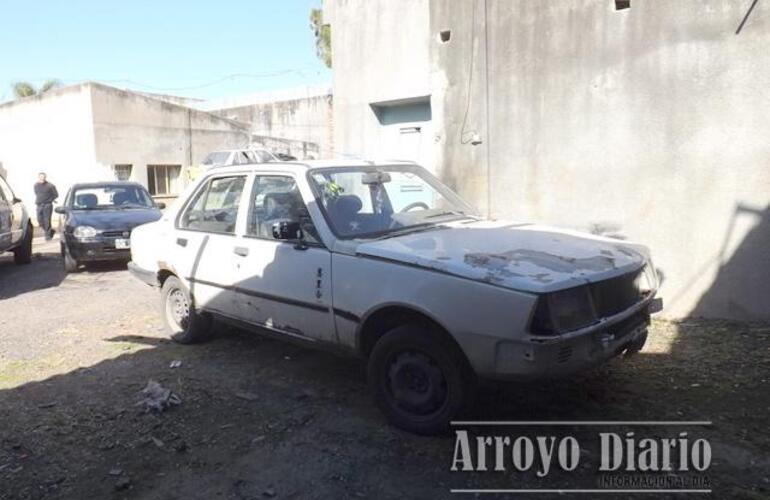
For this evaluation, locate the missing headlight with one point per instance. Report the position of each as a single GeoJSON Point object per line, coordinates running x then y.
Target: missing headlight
{"type": "Point", "coordinates": [563, 311]}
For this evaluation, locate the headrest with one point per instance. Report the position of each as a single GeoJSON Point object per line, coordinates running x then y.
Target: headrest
{"type": "Point", "coordinates": [121, 197]}
{"type": "Point", "coordinates": [348, 204]}
{"type": "Point", "coordinates": [87, 200]}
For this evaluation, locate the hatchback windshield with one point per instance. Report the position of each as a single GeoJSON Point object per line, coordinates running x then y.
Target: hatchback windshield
{"type": "Point", "coordinates": [380, 201]}
{"type": "Point", "coordinates": [111, 197]}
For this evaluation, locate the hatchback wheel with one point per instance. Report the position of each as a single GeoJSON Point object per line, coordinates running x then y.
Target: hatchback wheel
{"type": "Point", "coordinates": [70, 263]}
{"type": "Point", "coordinates": [419, 379]}
{"type": "Point", "coordinates": [183, 324]}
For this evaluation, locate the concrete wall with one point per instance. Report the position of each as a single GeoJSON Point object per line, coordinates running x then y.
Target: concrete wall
{"type": "Point", "coordinates": [130, 128]}
{"type": "Point", "coordinates": [650, 123]}
{"type": "Point", "coordinates": [381, 55]}
{"type": "Point", "coordinates": [300, 116]}
{"type": "Point", "coordinates": [76, 134]}
{"type": "Point", "coordinates": [51, 133]}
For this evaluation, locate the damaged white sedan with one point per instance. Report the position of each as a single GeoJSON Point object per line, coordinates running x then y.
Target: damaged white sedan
{"type": "Point", "coordinates": [385, 262]}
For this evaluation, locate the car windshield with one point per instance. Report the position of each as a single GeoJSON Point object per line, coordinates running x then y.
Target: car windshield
{"type": "Point", "coordinates": [378, 201]}
{"type": "Point", "coordinates": [111, 197]}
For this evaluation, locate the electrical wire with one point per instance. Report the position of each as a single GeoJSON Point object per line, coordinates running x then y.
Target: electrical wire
{"type": "Point", "coordinates": [463, 132]}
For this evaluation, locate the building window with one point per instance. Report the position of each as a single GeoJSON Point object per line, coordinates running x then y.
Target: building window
{"type": "Point", "coordinates": [163, 180]}
{"type": "Point", "coordinates": [122, 172]}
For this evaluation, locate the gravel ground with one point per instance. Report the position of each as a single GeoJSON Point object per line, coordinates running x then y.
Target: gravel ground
{"type": "Point", "coordinates": [265, 419]}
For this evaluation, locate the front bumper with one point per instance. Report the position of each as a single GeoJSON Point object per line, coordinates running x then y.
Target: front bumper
{"type": "Point", "coordinates": [142, 274]}
{"type": "Point", "coordinates": [536, 357]}
{"type": "Point", "coordinates": [96, 249]}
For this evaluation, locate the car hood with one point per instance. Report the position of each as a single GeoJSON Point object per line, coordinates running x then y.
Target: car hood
{"type": "Point", "coordinates": [113, 220]}
{"type": "Point", "coordinates": [525, 257]}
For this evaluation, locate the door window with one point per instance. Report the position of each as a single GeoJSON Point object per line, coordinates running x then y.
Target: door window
{"type": "Point", "coordinates": [277, 198]}
{"type": "Point", "coordinates": [215, 207]}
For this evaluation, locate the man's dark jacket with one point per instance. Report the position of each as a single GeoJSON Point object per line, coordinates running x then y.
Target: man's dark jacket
{"type": "Point", "coordinates": [45, 192]}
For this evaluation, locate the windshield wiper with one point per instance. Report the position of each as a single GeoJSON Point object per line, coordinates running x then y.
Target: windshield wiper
{"type": "Point", "coordinates": [458, 213]}
{"type": "Point", "coordinates": [426, 226]}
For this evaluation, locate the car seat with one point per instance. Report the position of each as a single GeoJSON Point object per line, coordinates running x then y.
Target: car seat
{"type": "Point", "coordinates": [86, 200]}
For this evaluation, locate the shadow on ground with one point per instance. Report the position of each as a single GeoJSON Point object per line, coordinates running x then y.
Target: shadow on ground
{"type": "Point", "coordinates": [261, 418]}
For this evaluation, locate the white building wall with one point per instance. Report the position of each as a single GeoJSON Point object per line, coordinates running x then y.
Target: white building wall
{"type": "Point", "coordinates": [51, 133]}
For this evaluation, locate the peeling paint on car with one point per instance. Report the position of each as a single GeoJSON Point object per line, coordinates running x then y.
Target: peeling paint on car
{"type": "Point", "coordinates": [529, 258]}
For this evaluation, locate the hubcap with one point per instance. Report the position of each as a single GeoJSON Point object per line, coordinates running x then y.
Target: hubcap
{"type": "Point", "coordinates": [416, 383]}
{"type": "Point", "coordinates": [177, 308]}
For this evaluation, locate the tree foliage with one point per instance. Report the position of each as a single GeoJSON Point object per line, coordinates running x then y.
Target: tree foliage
{"type": "Point", "coordinates": [323, 36]}
{"type": "Point", "coordinates": [26, 89]}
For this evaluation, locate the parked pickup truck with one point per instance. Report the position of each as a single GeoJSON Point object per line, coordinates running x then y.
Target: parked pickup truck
{"type": "Point", "coordinates": [15, 226]}
{"type": "Point", "coordinates": [385, 262]}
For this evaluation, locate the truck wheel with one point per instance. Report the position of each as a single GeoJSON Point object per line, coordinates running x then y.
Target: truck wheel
{"type": "Point", "coordinates": [70, 264]}
{"type": "Point", "coordinates": [23, 253]}
{"type": "Point", "coordinates": [419, 379]}
{"type": "Point", "coordinates": [183, 324]}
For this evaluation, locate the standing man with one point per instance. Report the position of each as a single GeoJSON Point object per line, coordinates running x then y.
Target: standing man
{"type": "Point", "coordinates": [45, 194]}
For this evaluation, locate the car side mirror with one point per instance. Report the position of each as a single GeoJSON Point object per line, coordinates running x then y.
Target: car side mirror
{"type": "Point", "coordinates": [60, 210]}
{"type": "Point", "coordinates": [160, 205]}
{"type": "Point", "coordinates": [16, 200]}
{"type": "Point", "coordinates": [287, 230]}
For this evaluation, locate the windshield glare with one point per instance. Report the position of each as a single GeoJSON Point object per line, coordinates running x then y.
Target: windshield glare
{"type": "Point", "coordinates": [377, 201]}
{"type": "Point", "coordinates": [111, 197]}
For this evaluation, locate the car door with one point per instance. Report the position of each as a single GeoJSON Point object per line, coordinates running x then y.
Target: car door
{"type": "Point", "coordinates": [280, 284]}
{"type": "Point", "coordinates": [204, 239]}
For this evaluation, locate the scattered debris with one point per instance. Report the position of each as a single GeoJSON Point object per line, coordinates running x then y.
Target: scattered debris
{"type": "Point", "coordinates": [176, 363]}
{"type": "Point", "coordinates": [248, 396]}
{"type": "Point", "coordinates": [46, 405]}
{"type": "Point", "coordinates": [116, 472]}
{"type": "Point", "coordinates": [157, 442]}
{"type": "Point", "coordinates": [269, 492]}
{"type": "Point", "coordinates": [123, 483]}
{"type": "Point", "coordinates": [157, 398]}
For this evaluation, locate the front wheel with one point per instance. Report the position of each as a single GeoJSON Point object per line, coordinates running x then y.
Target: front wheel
{"type": "Point", "coordinates": [23, 253]}
{"type": "Point", "coordinates": [420, 379]}
{"type": "Point", "coordinates": [183, 324]}
{"type": "Point", "coordinates": [70, 263]}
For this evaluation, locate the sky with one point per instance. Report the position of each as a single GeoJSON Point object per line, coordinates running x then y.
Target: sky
{"type": "Point", "coordinates": [190, 48]}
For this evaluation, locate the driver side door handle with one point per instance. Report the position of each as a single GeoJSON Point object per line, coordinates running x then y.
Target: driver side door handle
{"type": "Point", "coordinates": [242, 251]}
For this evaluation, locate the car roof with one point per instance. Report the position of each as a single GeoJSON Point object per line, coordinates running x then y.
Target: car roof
{"type": "Point", "coordinates": [105, 184]}
{"type": "Point", "coordinates": [238, 150]}
{"type": "Point", "coordinates": [303, 166]}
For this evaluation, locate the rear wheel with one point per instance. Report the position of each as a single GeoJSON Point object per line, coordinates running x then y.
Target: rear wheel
{"type": "Point", "coordinates": [23, 253]}
{"type": "Point", "coordinates": [70, 263]}
{"type": "Point", "coordinates": [420, 380]}
{"type": "Point", "coordinates": [183, 324]}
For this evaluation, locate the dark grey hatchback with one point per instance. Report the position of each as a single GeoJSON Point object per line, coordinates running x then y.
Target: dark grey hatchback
{"type": "Point", "coordinates": [97, 220]}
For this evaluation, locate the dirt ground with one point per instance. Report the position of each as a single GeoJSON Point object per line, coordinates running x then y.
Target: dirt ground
{"type": "Point", "coordinates": [264, 419]}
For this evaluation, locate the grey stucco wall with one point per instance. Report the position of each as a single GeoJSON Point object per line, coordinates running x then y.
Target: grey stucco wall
{"type": "Point", "coordinates": [652, 122]}
{"type": "Point", "coordinates": [649, 123]}
{"type": "Point", "coordinates": [381, 53]}
{"type": "Point", "coordinates": [130, 128]}
{"type": "Point", "coordinates": [307, 119]}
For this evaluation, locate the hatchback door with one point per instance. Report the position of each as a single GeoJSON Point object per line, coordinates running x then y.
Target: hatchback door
{"type": "Point", "coordinates": [282, 285]}
{"type": "Point", "coordinates": [204, 240]}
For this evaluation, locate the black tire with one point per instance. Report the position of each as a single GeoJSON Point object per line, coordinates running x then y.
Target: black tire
{"type": "Point", "coordinates": [70, 263]}
{"type": "Point", "coordinates": [182, 323]}
{"type": "Point", "coordinates": [419, 379]}
{"type": "Point", "coordinates": [23, 253]}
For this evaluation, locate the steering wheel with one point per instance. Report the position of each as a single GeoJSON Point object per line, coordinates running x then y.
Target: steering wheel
{"type": "Point", "coordinates": [416, 204]}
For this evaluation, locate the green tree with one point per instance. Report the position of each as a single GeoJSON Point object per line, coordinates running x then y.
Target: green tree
{"type": "Point", "coordinates": [323, 36]}
{"type": "Point", "coordinates": [26, 89]}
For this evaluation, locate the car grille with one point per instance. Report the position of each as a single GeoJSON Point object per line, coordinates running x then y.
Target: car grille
{"type": "Point", "coordinates": [615, 295]}
{"type": "Point", "coordinates": [116, 234]}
